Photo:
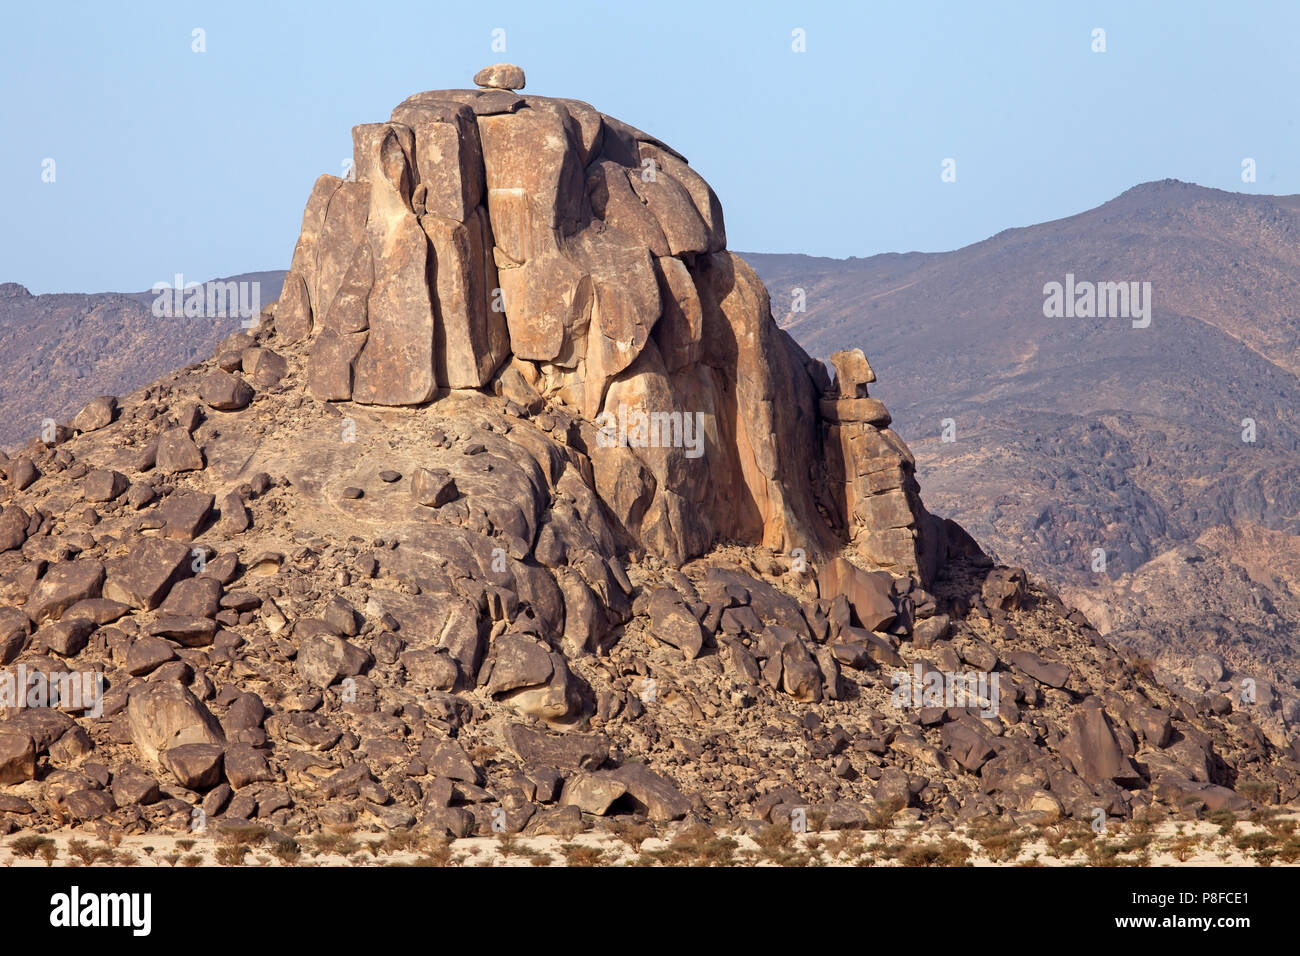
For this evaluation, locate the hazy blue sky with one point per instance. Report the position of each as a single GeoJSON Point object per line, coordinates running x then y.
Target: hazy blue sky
{"type": "Point", "coordinates": [168, 161]}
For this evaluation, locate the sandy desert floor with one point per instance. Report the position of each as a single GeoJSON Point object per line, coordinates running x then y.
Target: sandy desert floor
{"type": "Point", "coordinates": [1224, 841]}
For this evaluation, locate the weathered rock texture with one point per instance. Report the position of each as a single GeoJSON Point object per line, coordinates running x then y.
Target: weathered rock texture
{"type": "Point", "coordinates": [541, 248]}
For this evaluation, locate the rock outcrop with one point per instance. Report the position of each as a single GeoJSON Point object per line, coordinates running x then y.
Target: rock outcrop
{"type": "Point", "coordinates": [540, 248]}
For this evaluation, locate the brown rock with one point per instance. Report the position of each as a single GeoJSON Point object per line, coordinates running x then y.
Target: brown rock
{"type": "Point", "coordinates": [15, 629]}
{"type": "Point", "coordinates": [433, 488]}
{"type": "Point", "coordinates": [195, 766]}
{"type": "Point", "coordinates": [64, 585]}
{"type": "Point", "coordinates": [869, 593]}
{"type": "Point", "coordinates": [672, 623]}
{"type": "Point", "coordinates": [500, 76]}
{"type": "Point", "coordinates": [135, 789]}
{"type": "Point", "coordinates": [1092, 748]}
{"type": "Point", "coordinates": [145, 574]}
{"type": "Point", "coordinates": [147, 654]}
{"type": "Point", "coordinates": [193, 597]}
{"type": "Point", "coordinates": [324, 659]}
{"type": "Point", "coordinates": [245, 765]}
{"type": "Point", "coordinates": [66, 638]}
{"type": "Point", "coordinates": [593, 792]}
{"type": "Point", "coordinates": [562, 751]}
{"type": "Point", "coordinates": [265, 366]}
{"type": "Point", "coordinates": [331, 368]}
{"type": "Point", "coordinates": [17, 757]}
{"type": "Point", "coordinates": [185, 513]}
{"type": "Point", "coordinates": [853, 373]}
{"type": "Point", "coordinates": [1053, 674]}
{"type": "Point", "coordinates": [186, 631]}
{"type": "Point", "coordinates": [164, 715]}
{"type": "Point", "coordinates": [225, 392]}
{"type": "Point", "coordinates": [1005, 589]}
{"type": "Point", "coordinates": [177, 452]}
{"type": "Point", "coordinates": [13, 527]}
{"type": "Point", "coordinates": [97, 413]}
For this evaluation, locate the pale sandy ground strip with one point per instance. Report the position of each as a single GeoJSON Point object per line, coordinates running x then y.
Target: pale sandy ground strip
{"type": "Point", "coordinates": [885, 848]}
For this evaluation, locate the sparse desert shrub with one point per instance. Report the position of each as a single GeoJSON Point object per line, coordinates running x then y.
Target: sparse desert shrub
{"type": "Point", "coordinates": [1000, 841]}
{"type": "Point", "coordinates": [920, 854]}
{"type": "Point", "coordinates": [700, 846]}
{"type": "Point", "coordinates": [1225, 820]}
{"type": "Point", "coordinates": [631, 833]}
{"type": "Point", "coordinates": [954, 852]}
{"type": "Point", "coordinates": [774, 836]}
{"type": "Point", "coordinates": [1289, 852]}
{"type": "Point", "coordinates": [1258, 790]}
{"type": "Point", "coordinates": [508, 845]}
{"type": "Point", "coordinates": [401, 841]}
{"type": "Point", "coordinates": [1259, 840]}
{"type": "Point", "coordinates": [26, 846]}
{"type": "Point", "coordinates": [578, 854]}
{"type": "Point", "coordinates": [87, 854]}
{"type": "Point", "coordinates": [287, 851]}
{"type": "Point", "coordinates": [249, 834]}
{"type": "Point", "coordinates": [232, 855]}
{"type": "Point", "coordinates": [844, 843]}
{"type": "Point", "coordinates": [437, 851]}
{"type": "Point", "coordinates": [883, 814]}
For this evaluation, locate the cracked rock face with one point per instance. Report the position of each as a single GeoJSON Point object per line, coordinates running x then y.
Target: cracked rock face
{"type": "Point", "coordinates": [538, 248]}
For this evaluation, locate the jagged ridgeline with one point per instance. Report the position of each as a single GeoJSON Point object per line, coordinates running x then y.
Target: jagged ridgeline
{"type": "Point", "coordinates": [516, 510]}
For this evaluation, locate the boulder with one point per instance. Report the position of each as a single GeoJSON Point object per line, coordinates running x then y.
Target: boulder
{"type": "Point", "coordinates": [500, 76]}
{"type": "Point", "coordinates": [195, 766]}
{"type": "Point", "coordinates": [13, 527]}
{"type": "Point", "coordinates": [104, 485]}
{"type": "Point", "coordinates": [225, 392]}
{"type": "Point", "coordinates": [869, 593]}
{"type": "Point", "coordinates": [177, 452]}
{"type": "Point", "coordinates": [163, 715]}
{"type": "Point", "coordinates": [96, 414]}
{"type": "Point", "coordinates": [64, 585]}
{"type": "Point", "coordinates": [325, 658]}
{"type": "Point", "coordinates": [17, 757]}
{"type": "Point", "coordinates": [144, 575]}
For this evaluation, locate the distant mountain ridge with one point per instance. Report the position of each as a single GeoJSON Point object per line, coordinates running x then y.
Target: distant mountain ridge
{"type": "Point", "coordinates": [1074, 435]}
{"type": "Point", "coordinates": [58, 351]}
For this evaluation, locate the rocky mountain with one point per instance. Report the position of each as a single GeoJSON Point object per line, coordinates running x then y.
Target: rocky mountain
{"type": "Point", "coordinates": [1154, 472]}
{"type": "Point", "coordinates": [59, 351]}
{"type": "Point", "coordinates": [519, 511]}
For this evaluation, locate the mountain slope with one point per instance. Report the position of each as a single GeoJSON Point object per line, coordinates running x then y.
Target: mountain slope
{"type": "Point", "coordinates": [1077, 434]}
{"type": "Point", "coordinates": [59, 351]}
